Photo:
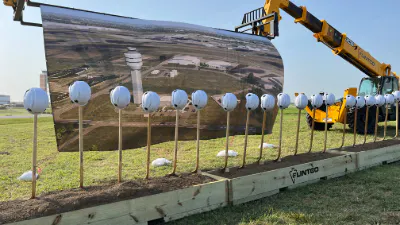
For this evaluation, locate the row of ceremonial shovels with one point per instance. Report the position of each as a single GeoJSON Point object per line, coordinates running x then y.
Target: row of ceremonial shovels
{"type": "Point", "coordinates": [36, 101]}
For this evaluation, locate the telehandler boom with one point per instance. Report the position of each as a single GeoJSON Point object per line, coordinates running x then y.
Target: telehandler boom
{"type": "Point", "coordinates": [381, 79]}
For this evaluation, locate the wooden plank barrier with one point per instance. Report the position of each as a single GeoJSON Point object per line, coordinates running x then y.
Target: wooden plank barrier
{"type": "Point", "coordinates": [255, 186]}
{"type": "Point", "coordinates": [205, 197]}
{"type": "Point", "coordinates": [167, 206]}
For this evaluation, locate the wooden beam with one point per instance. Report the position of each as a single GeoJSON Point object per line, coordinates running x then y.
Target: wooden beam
{"type": "Point", "coordinates": [366, 159]}
{"type": "Point", "coordinates": [205, 197]}
{"type": "Point", "coordinates": [246, 188]}
{"type": "Point", "coordinates": [169, 205]}
{"type": "Point", "coordinates": [18, 10]}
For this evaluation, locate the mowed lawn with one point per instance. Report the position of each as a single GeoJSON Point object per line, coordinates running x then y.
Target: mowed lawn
{"type": "Point", "coordinates": [319, 202]}
{"type": "Point", "coordinates": [13, 112]}
{"type": "Point", "coordinates": [17, 111]}
{"type": "Point", "coordinates": [367, 197]}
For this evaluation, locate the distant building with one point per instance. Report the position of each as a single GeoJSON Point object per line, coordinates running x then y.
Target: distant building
{"type": "Point", "coordinates": [43, 80]}
{"type": "Point", "coordinates": [5, 100]}
{"type": "Point", "coordinates": [17, 104]}
{"type": "Point", "coordinates": [134, 60]}
{"type": "Point", "coordinates": [155, 72]}
{"type": "Point", "coordinates": [173, 73]}
{"type": "Point", "coordinates": [82, 71]}
{"type": "Point", "coordinates": [219, 65]}
{"type": "Point", "coordinates": [185, 60]}
{"type": "Point", "coordinates": [165, 98]}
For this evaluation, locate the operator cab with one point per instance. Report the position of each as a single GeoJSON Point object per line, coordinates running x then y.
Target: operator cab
{"type": "Point", "coordinates": [378, 85]}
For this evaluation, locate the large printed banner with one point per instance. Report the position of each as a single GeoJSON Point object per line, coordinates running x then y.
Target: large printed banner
{"type": "Point", "coordinates": [92, 47]}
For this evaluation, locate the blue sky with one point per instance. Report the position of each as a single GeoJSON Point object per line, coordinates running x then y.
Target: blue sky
{"type": "Point", "coordinates": [310, 67]}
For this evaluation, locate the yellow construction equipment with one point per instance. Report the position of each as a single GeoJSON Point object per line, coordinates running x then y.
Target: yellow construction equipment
{"type": "Point", "coordinates": [264, 21]}
{"type": "Point", "coordinates": [18, 8]}
{"type": "Point", "coordinates": [12, 3]}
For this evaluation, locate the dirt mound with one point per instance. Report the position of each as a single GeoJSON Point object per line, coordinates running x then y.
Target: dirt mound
{"type": "Point", "coordinates": [74, 199]}
{"type": "Point", "coordinates": [272, 165]}
{"type": "Point", "coordinates": [372, 146]}
{"type": "Point", "coordinates": [300, 159]}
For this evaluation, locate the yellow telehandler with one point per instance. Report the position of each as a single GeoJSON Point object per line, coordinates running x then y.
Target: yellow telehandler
{"type": "Point", "coordinates": [264, 21]}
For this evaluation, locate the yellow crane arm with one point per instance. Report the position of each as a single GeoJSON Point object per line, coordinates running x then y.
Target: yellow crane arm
{"type": "Point", "coordinates": [18, 7]}
{"type": "Point", "coordinates": [339, 42]}
{"type": "Point", "coordinates": [10, 2]}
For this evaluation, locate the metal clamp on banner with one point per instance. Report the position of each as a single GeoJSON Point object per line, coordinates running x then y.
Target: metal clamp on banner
{"type": "Point", "coordinates": [18, 7]}
{"type": "Point", "coordinates": [255, 21]}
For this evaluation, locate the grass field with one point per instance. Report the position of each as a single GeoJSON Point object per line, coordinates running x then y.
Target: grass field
{"type": "Point", "coordinates": [18, 112]}
{"type": "Point", "coordinates": [60, 171]}
{"type": "Point", "coordinates": [367, 197]}
{"type": "Point", "coordinates": [13, 112]}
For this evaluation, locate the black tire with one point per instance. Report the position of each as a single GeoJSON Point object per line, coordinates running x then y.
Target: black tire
{"type": "Point", "coordinates": [361, 113]}
{"type": "Point", "coordinates": [317, 126]}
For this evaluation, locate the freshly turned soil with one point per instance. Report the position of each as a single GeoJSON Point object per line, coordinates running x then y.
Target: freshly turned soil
{"type": "Point", "coordinates": [68, 200]}
{"type": "Point", "coordinates": [272, 165]}
{"type": "Point", "coordinates": [372, 145]}
{"type": "Point", "coordinates": [300, 159]}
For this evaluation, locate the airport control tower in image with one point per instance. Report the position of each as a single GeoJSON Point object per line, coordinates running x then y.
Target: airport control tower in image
{"type": "Point", "coordinates": [134, 60]}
